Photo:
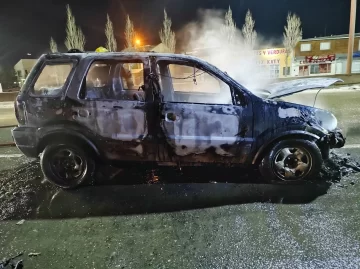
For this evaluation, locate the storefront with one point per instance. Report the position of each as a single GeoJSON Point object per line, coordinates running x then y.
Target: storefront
{"type": "Point", "coordinates": [315, 66]}
{"type": "Point", "coordinates": [272, 62]}
{"type": "Point", "coordinates": [341, 62]}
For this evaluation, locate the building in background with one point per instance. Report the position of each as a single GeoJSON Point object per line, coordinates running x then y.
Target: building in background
{"type": "Point", "coordinates": [273, 63]}
{"type": "Point", "coordinates": [324, 56]}
{"type": "Point", "coordinates": [22, 69]}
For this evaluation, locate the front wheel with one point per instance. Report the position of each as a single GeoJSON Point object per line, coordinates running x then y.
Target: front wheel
{"type": "Point", "coordinates": [66, 165]}
{"type": "Point", "coordinates": [291, 161]}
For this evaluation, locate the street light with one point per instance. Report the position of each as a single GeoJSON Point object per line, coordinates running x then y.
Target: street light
{"type": "Point", "coordinates": [138, 42]}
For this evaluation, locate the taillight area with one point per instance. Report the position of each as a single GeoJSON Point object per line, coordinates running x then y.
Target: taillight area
{"type": "Point", "coordinates": [20, 112]}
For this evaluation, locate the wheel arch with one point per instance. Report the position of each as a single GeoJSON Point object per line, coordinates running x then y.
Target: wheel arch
{"type": "Point", "coordinates": [284, 136]}
{"type": "Point", "coordinates": [62, 136]}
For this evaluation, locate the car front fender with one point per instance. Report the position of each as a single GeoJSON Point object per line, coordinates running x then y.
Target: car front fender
{"type": "Point", "coordinates": [282, 136]}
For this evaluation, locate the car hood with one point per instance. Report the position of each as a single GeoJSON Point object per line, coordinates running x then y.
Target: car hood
{"type": "Point", "coordinates": [285, 88]}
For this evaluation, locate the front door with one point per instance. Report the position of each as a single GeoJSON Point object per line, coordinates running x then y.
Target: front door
{"type": "Point", "coordinates": [198, 117]}
{"type": "Point", "coordinates": [114, 107]}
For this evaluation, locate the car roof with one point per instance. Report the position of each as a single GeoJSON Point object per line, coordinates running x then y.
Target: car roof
{"type": "Point", "coordinates": [126, 54]}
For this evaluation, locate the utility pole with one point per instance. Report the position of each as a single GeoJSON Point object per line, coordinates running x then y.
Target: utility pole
{"type": "Point", "coordinates": [351, 36]}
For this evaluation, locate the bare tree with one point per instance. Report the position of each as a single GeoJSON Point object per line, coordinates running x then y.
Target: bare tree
{"type": "Point", "coordinates": [248, 30]}
{"type": "Point", "coordinates": [129, 33]}
{"type": "Point", "coordinates": [292, 35]}
{"type": "Point", "coordinates": [167, 36]}
{"type": "Point", "coordinates": [229, 28]}
{"type": "Point", "coordinates": [75, 38]}
{"type": "Point", "coordinates": [111, 44]}
{"type": "Point", "coordinates": [53, 45]}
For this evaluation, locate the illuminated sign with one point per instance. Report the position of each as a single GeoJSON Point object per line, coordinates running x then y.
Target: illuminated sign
{"type": "Point", "coordinates": [268, 52]}
{"type": "Point", "coordinates": [320, 59]}
{"type": "Point", "coordinates": [265, 62]}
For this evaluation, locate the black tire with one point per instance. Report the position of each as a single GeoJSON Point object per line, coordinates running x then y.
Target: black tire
{"type": "Point", "coordinates": [310, 161]}
{"type": "Point", "coordinates": [57, 171]}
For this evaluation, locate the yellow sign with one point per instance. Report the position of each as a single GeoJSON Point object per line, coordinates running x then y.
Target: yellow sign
{"type": "Point", "coordinates": [101, 49]}
{"type": "Point", "coordinates": [274, 58]}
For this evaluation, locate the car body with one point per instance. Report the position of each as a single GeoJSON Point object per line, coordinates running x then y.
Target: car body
{"type": "Point", "coordinates": [162, 109]}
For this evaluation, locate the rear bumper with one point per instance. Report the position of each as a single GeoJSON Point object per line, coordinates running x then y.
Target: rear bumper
{"type": "Point", "coordinates": [26, 140]}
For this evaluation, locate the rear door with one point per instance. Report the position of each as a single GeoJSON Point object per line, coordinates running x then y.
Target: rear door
{"type": "Point", "coordinates": [113, 106]}
{"type": "Point", "coordinates": [199, 118]}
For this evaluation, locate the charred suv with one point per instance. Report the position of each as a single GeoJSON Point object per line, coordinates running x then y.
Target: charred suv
{"type": "Point", "coordinates": [76, 110]}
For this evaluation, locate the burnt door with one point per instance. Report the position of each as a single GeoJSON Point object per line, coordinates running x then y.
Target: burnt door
{"type": "Point", "coordinates": [114, 107]}
{"type": "Point", "coordinates": [200, 118]}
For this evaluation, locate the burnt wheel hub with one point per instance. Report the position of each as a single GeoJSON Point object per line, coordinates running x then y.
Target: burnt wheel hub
{"type": "Point", "coordinates": [68, 165]}
{"type": "Point", "coordinates": [291, 161]}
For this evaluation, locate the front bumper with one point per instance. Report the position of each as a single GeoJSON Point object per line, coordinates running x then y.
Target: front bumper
{"type": "Point", "coordinates": [333, 139]}
{"type": "Point", "coordinates": [336, 139]}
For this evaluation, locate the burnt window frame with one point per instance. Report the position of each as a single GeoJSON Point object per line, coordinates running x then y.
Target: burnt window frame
{"type": "Point", "coordinates": [115, 60]}
{"type": "Point", "coordinates": [66, 85]}
{"type": "Point", "coordinates": [195, 64]}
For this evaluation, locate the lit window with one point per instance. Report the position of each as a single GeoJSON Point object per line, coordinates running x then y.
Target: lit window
{"type": "Point", "coordinates": [320, 68]}
{"type": "Point", "coordinates": [286, 71]}
{"type": "Point", "coordinates": [274, 71]}
{"type": "Point", "coordinates": [305, 47]}
{"type": "Point", "coordinates": [324, 45]}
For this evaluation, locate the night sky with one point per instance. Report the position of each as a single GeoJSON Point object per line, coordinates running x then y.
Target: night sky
{"type": "Point", "coordinates": [26, 26]}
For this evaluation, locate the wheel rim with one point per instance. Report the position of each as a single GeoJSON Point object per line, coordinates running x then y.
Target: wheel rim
{"type": "Point", "coordinates": [67, 165]}
{"type": "Point", "coordinates": [292, 163]}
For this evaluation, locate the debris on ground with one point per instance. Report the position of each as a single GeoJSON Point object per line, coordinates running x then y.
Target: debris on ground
{"type": "Point", "coordinates": [337, 166]}
{"type": "Point", "coordinates": [34, 254]}
{"type": "Point", "coordinates": [153, 178]}
{"type": "Point", "coordinates": [20, 222]}
{"type": "Point", "coordinates": [19, 189]}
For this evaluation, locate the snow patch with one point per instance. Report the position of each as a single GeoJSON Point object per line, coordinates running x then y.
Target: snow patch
{"type": "Point", "coordinates": [288, 112]}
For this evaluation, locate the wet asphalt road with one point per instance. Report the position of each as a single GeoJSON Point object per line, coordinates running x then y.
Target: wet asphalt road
{"type": "Point", "coordinates": [237, 222]}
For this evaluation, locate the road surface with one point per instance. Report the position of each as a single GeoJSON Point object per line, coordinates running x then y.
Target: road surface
{"type": "Point", "coordinates": [226, 220]}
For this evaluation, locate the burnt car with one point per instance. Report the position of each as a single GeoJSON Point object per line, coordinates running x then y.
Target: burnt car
{"type": "Point", "coordinates": [77, 110]}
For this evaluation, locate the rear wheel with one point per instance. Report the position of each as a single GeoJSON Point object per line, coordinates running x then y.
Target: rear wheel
{"type": "Point", "coordinates": [66, 165]}
{"type": "Point", "coordinates": [291, 161]}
